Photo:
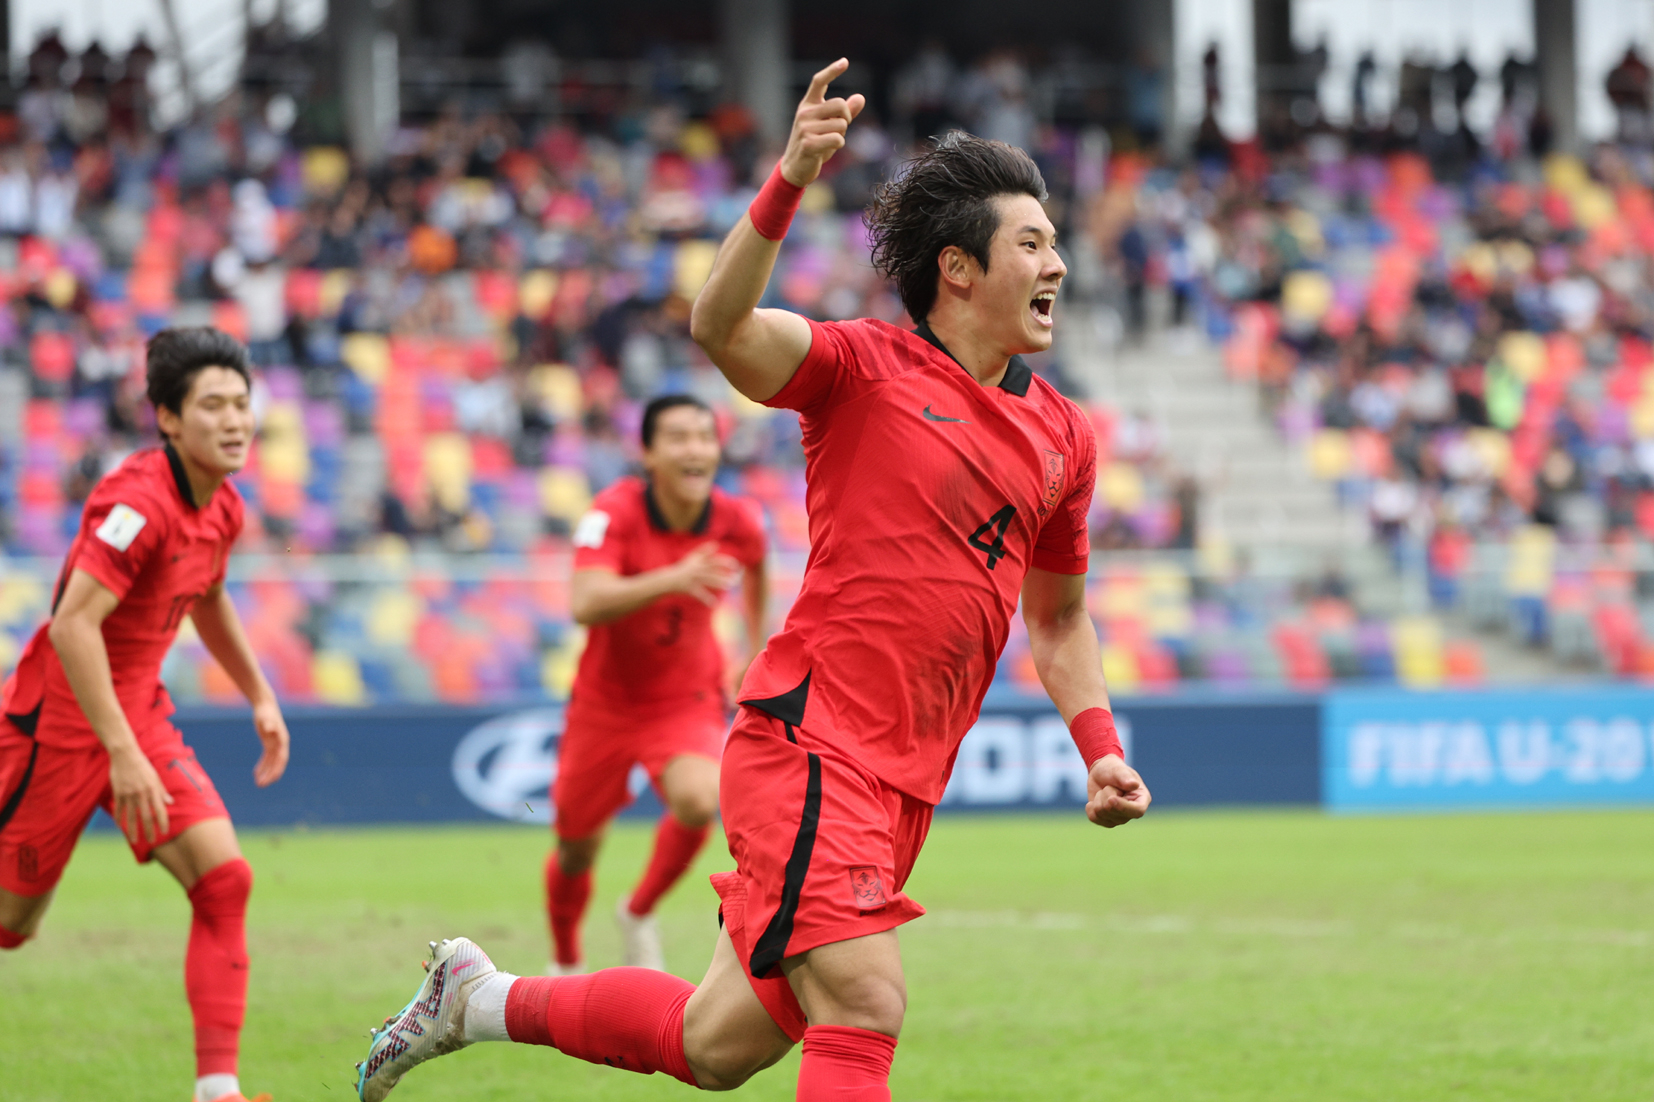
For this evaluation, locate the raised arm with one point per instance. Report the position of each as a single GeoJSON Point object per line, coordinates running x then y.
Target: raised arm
{"type": "Point", "coordinates": [1063, 642]}
{"type": "Point", "coordinates": [758, 350]}
{"type": "Point", "coordinates": [221, 633]}
{"type": "Point", "coordinates": [77, 635]}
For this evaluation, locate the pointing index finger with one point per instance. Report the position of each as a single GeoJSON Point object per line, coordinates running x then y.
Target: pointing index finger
{"type": "Point", "coordinates": [819, 82]}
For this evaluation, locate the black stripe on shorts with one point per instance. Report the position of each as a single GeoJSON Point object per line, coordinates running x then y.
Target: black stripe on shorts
{"type": "Point", "coordinates": [16, 800]}
{"type": "Point", "coordinates": [772, 946]}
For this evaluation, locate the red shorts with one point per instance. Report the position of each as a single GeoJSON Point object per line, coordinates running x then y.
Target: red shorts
{"type": "Point", "coordinates": [51, 793]}
{"type": "Point", "coordinates": [822, 848]}
{"type": "Point", "coordinates": [600, 744]}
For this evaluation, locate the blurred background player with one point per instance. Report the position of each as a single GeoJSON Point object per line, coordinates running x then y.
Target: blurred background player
{"type": "Point", "coordinates": [945, 483]}
{"type": "Point", "coordinates": [86, 716]}
{"type": "Point", "coordinates": [652, 560]}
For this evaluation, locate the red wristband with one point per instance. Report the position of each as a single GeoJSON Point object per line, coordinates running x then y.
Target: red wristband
{"type": "Point", "coordinates": [772, 211]}
{"type": "Point", "coordinates": [1093, 732]}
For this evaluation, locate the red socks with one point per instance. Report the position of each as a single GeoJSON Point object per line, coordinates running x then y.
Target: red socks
{"type": "Point", "coordinates": [566, 898]}
{"type": "Point", "coordinates": [215, 966]}
{"type": "Point", "coordinates": [629, 1018]}
{"type": "Point", "coordinates": [843, 1064]}
{"type": "Point", "coordinates": [9, 940]}
{"type": "Point", "coordinates": [632, 1018]}
{"type": "Point", "coordinates": [675, 848]}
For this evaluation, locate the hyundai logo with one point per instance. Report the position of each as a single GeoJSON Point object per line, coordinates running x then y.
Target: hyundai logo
{"type": "Point", "coordinates": [506, 765]}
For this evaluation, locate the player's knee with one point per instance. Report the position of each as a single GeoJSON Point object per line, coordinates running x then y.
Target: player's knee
{"type": "Point", "coordinates": [695, 808]}
{"type": "Point", "coordinates": [576, 855]}
{"type": "Point", "coordinates": [872, 1002]}
{"type": "Point", "coordinates": [224, 889]}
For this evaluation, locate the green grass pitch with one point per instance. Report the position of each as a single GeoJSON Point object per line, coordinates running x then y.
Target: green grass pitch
{"type": "Point", "coordinates": [1193, 956]}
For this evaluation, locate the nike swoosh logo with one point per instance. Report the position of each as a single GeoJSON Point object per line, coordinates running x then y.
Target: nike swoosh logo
{"type": "Point", "coordinates": [929, 416]}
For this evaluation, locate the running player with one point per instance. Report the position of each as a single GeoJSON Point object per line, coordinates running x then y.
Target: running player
{"type": "Point", "coordinates": [86, 716]}
{"type": "Point", "coordinates": [944, 481]}
{"type": "Point", "coordinates": [652, 559]}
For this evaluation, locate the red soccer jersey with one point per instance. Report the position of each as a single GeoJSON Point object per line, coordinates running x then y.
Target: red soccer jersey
{"type": "Point", "coordinates": [143, 537]}
{"type": "Point", "coordinates": [929, 496]}
{"type": "Point", "coordinates": [665, 651]}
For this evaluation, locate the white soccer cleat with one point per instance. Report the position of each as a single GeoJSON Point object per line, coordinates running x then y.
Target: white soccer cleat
{"type": "Point", "coordinates": [432, 1024]}
{"type": "Point", "coordinates": [641, 937]}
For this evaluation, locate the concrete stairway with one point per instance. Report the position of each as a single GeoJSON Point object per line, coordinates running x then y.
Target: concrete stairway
{"type": "Point", "coordinates": [1257, 494]}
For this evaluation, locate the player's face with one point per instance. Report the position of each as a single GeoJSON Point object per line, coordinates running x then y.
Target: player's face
{"type": "Point", "coordinates": [1019, 289]}
{"type": "Point", "coordinates": [214, 426]}
{"type": "Point", "coordinates": [683, 457]}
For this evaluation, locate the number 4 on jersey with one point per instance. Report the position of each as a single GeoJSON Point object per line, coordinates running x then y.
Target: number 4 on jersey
{"type": "Point", "coordinates": [995, 524]}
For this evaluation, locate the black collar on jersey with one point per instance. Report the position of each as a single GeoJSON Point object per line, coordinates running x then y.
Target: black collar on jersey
{"type": "Point", "coordinates": [658, 519]}
{"type": "Point", "coordinates": [1018, 375]}
{"type": "Point", "coordinates": [180, 476]}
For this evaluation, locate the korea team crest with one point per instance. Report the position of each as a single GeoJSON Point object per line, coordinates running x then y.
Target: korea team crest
{"type": "Point", "coordinates": [1054, 468]}
{"type": "Point", "coordinates": [867, 888]}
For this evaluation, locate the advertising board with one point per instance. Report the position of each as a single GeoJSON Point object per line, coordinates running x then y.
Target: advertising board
{"type": "Point", "coordinates": [1395, 750]}
{"type": "Point", "coordinates": [455, 764]}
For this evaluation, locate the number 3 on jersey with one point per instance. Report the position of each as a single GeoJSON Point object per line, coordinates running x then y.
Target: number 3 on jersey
{"type": "Point", "coordinates": [995, 525]}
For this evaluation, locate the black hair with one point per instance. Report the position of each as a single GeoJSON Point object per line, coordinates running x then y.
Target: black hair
{"type": "Point", "coordinates": [177, 356]}
{"type": "Point", "coordinates": [658, 406]}
{"type": "Point", "coordinates": [944, 197]}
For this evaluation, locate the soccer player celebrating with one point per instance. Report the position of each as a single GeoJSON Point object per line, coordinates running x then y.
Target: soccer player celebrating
{"type": "Point", "coordinates": [944, 481]}
{"type": "Point", "coordinates": [86, 716]}
{"type": "Point", "coordinates": [652, 559]}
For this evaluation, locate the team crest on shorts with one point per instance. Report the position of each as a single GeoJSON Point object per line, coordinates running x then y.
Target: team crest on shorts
{"type": "Point", "coordinates": [1054, 467]}
{"type": "Point", "coordinates": [28, 864]}
{"type": "Point", "coordinates": [867, 888]}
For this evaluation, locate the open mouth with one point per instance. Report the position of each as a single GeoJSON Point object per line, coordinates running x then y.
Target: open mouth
{"type": "Point", "coordinates": [1041, 307]}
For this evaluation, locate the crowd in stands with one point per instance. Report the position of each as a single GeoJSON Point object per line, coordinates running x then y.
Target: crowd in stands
{"type": "Point", "coordinates": [453, 349]}
{"type": "Point", "coordinates": [1465, 350]}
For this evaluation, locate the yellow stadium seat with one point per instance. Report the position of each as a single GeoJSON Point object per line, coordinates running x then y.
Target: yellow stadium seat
{"type": "Point", "coordinates": [392, 616]}
{"type": "Point", "coordinates": [448, 470]}
{"type": "Point", "coordinates": [1531, 567]}
{"type": "Point", "coordinates": [557, 666]}
{"type": "Point", "coordinates": [22, 600]}
{"type": "Point", "coordinates": [1121, 487]}
{"type": "Point", "coordinates": [325, 169]}
{"type": "Point", "coordinates": [1306, 296]}
{"type": "Point", "coordinates": [1166, 593]}
{"type": "Point", "coordinates": [564, 492]}
{"type": "Point", "coordinates": [1492, 447]}
{"type": "Point", "coordinates": [535, 292]}
{"type": "Point", "coordinates": [337, 679]}
{"type": "Point", "coordinates": [692, 265]}
{"type": "Point", "coordinates": [1120, 669]}
{"type": "Point", "coordinates": [559, 388]}
{"type": "Point", "coordinates": [1420, 660]}
{"type": "Point", "coordinates": [283, 455]}
{"type": "Point", "coordinates": [1331, 456]}
{"type": "Point", "coordinates": [367, 354]}
{"type": "Point", "coordinates": [1524, 354]}
{"type": "Point", "coordinates": [335, 286]}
